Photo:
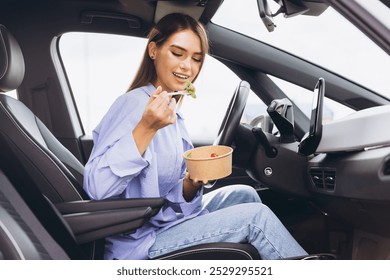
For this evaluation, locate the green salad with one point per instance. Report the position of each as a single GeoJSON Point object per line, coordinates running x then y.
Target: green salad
{"type": "Point", "coordinates": [190, 89]}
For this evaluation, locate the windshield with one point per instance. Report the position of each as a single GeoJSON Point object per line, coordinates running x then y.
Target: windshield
{"type": "Point", "coordinates": [328, 40]}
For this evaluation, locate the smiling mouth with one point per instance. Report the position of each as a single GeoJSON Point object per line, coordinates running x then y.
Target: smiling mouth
{"type": "Point", "coordinates": [184, 77]}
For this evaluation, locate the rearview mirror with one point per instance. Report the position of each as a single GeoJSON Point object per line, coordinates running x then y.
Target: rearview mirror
{"type": "Point", "coordinates": [289, 8]}
{"type": "Point", "coordinates": [266, 15]}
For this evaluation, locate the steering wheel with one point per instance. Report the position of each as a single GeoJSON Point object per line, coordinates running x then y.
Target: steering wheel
{"type": "Point", "coordinates": [233, 115]}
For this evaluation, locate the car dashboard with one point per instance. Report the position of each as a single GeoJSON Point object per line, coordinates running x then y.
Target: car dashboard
{"type": "Point", "coordinates": [353, 157]}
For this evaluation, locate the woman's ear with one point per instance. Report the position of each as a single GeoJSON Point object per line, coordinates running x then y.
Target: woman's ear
{"type": "Point", "coordinates": [152, 49]}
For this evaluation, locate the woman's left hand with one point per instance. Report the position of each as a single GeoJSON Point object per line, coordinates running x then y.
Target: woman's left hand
{"type": "Point", "coordinates": [191, 187]}
{"type": "Point", "coordinates": [195, 182]}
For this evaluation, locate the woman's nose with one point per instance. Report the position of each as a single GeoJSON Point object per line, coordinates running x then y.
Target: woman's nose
{"type": "Point", "coordinates": [185, 64]}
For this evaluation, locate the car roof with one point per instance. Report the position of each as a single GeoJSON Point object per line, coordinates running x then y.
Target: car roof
{"type": "Point", "coordinates": [133, 17]}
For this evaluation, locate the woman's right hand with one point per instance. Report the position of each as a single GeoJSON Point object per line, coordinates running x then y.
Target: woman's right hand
{"type": "Point", "coordinates": [159, 111]}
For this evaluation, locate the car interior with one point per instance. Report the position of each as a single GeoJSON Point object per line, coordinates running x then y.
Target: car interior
{"type": "Point", "coordinates": [327, 182]}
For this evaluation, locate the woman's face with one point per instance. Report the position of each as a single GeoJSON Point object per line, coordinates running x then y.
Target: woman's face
{"type": "Point", "coordinates": [177, 60]}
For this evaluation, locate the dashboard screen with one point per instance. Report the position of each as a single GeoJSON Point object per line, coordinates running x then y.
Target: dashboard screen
{"type": "Point", "coordinates": [311, 140]}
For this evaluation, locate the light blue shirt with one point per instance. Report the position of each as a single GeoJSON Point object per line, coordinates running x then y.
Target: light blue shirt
{"type": "Point", "coordinates": [117, 170]}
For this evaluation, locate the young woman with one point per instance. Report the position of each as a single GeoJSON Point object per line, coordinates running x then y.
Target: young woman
{"type": "Point", "coordinates": [138, 148]}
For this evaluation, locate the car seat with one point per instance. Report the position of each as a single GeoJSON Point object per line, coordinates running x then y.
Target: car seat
{"type": "Point", "coordinates": [49, 178]}
{"type": "Point", "coordinates": [22, 236]}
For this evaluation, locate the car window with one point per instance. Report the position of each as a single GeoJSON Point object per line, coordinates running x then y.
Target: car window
{"type": "Point", "coordinates": [100, 67]}
{"type": "Point", "coordinates": [303, 98]}
{"type": "Point", "coordinates": [328, 40]}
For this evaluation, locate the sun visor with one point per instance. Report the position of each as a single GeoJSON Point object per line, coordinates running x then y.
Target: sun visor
{"type": "Point", "coordinates": [191, 8]}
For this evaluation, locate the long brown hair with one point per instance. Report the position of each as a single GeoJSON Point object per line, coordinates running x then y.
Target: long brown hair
{"type": "Point", "coordinates": [165, 28]}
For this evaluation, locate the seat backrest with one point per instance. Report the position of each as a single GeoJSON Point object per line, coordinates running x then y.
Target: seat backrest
{"type": "Point", "coordinates": [11, 61]}
{"type": "Point", "coordinates": [26, 145]}
{"type": "Point", "coordinates": [40, 168]}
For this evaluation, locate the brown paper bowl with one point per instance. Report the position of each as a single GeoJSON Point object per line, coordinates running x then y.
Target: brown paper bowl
{"type": "Point", "coordinates": [203, 167]}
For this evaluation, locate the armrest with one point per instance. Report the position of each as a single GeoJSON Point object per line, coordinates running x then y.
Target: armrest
{"type": "Point", "coordinates": [91, 220]}
{"type": "Point", "coordinates": [80, 206]}
{"type": "Point", "coordinates": [90, 226]}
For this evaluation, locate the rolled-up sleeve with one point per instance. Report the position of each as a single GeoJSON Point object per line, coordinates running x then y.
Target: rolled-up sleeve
{"type": "Point", "coordinates": [108, 175]}
{"type": "Point", "coordinates": [124, 159]}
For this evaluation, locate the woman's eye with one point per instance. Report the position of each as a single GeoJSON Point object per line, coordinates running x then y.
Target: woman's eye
{"type": "Point", "coordinates": [176, 54]}
{"type": "Point", "coordinates": [197, 59]}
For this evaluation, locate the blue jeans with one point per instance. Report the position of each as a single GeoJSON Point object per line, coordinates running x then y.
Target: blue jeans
{"type": "Point", "coordinates": [236, 215]}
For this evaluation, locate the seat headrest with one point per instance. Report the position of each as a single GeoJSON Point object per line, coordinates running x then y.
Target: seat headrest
{"type": "Point", "coordinates": [11, 61]}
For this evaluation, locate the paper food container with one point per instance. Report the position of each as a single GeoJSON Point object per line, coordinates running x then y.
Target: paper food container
{"type": "Point", "coordinates": [209, 162]}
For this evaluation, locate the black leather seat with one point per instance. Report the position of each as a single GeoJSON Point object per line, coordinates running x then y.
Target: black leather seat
{"type": "Point", "coordinates": [49, 178]}
{"type": "Point", "coordinates": [22, 236]}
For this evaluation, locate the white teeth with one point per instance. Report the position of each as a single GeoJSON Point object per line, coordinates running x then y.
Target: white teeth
{"type": "Point", "coordinates": [181, 76]}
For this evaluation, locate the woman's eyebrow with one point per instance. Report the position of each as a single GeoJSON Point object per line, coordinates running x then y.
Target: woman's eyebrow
{"type": "Point", "coordinates": [184, 49]}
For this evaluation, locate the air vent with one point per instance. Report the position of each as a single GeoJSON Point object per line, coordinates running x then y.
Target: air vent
{"type": "Point", "coordinates": [317, 177]}
{"type": "Point", "coordinates": [323, 178]}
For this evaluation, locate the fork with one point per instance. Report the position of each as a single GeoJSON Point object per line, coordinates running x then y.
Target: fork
{"type": "Point", "coordinates": [180, 92]}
